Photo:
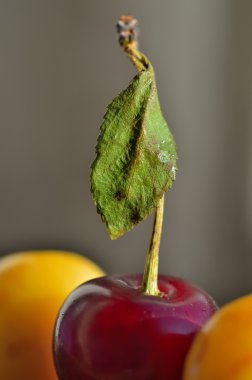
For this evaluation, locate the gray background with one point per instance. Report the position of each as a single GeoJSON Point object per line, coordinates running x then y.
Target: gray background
{"type": "Point", "coordinates": [61, 65]}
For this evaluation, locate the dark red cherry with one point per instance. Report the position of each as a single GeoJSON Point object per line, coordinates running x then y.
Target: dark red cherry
{"type": "Point", "coordinates": [108, 330]}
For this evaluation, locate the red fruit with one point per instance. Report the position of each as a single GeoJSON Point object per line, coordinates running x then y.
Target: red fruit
{"type": "Point", "coordinates": [109, 330]}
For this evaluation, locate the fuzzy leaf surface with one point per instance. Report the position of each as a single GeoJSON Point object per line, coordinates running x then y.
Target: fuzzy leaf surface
{"type": "Point", "coordinates": [136, 157]}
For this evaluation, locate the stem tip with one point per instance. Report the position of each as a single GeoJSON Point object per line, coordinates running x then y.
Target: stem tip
{"type": "Point", "coordinates": [127, 29]}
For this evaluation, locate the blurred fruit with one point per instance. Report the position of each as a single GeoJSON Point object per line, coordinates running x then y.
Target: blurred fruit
{"type": "Point", "coordinates": [108, 329]}
{"type": "Point", "coordinates": [33, 286]}
{"type": "Point", "coordinates": [223, 348]}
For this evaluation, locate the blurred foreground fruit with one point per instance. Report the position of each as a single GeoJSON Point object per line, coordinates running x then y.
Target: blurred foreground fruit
{"type": "Point", "coordinates": [33, 286]}
{"type": "Point", "coordinates": [108, 329]}
{"type": "Point", "coordinates": [223, 349]}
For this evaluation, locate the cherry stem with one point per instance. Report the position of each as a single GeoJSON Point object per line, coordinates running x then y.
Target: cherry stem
{"type": "Point", "coordinates": [127, 28]}
{"type": "Point", "coordinates": [150, 277]}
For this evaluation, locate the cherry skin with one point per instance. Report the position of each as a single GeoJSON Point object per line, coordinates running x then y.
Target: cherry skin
{"type": "Point", "coordinates": [109, 330]}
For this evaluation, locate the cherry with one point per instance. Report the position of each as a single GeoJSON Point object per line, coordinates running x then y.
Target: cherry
{"type": "Point", "coordinates": [131, 327]}
{"type": "Point", "coordinates": [109, 330]}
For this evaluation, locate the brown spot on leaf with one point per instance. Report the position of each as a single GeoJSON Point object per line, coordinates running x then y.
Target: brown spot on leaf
{"type": "Point", "coordinates": [135, 217]}
{"type": "Point", "coordinates": [120, 194]}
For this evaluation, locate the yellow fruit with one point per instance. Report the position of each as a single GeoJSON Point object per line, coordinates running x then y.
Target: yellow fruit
{"type": "Point", "coordinates": [33, 286]}
{"type": "Point", "coordinates": [223, 348]}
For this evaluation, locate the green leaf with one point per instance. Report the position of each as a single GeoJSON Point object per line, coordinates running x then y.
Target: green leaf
{"type": "Point", "coordinates": [136, 156]}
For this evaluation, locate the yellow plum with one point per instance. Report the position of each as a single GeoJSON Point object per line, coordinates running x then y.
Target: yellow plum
{"type": "Point", "coordinates": [223, 348]}
{"type": "Point", "coordinates": [33, 286]}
